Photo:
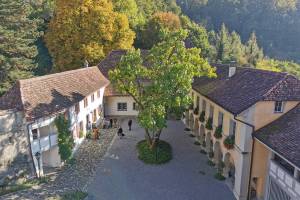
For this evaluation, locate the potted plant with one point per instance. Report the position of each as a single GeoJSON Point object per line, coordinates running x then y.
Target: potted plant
{"type": "Point", "coordinates": [196, 111]}
{"type": "Point", "coordinates": [202, 117]}
{"type": "Point", "coordinates": [208, 124]}
{"type": "Point", "coordinates": [218, 132]}
{"type": "Point", "coordinates": [229, 142]}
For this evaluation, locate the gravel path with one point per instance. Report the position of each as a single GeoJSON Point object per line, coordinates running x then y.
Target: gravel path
{"type": "Point", "coordinates": [121, 176]}
{"type": "Point", "coordinates": [74, 177]}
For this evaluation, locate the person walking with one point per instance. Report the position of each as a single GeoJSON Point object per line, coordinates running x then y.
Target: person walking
{"type": "Point", "coordinates": [120, 133]}
{"type": "Point", "coordinates": [130, 124]}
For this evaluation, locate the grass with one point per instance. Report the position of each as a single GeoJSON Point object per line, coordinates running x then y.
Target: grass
{"type": "Point", "coordinates": [75, 195]}
{"type": "Point", "coordinates": [15, 188]}
{"type": "Point", "coordinates": [160, 155]}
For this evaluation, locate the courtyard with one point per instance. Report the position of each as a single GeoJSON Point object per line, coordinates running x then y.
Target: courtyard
{"type": "Point", "coordinates": [121, 175]}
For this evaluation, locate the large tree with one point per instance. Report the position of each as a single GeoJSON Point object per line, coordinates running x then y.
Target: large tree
{"type": "Point", "coordinates": [163, 86]}
{"type": "Point", "coordinates": [253, 52]}
{"type": "Point", "coordinates": [84, 30]}
{"type": "Point", "coordinates": [18, 32]}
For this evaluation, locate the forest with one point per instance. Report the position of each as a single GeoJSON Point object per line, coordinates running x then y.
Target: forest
{"type": "Point", "coordinates": [39, 37]}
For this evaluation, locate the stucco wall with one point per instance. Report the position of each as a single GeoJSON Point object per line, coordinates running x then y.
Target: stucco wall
{"type": "Point", "coordinates": [51, 158]}
{"type": "Point", "coordinates": [111, 106]}
{"type": "Point", "coordinates": [260, 162]}
{"type": "Point", "coordinates": [14, 148]}
{"type": "Point", "coordinates": [264, 112]}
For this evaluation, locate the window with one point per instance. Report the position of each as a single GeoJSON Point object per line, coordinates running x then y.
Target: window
{"type": "Point", "coordinates": [135, 106]}
{"type": "Point", "coordinates": [278, 107]}
{"type": "Point", "coordinates": [77, 108]}
{"type": "Point", "coordinates": [232, 128]}
{"type": "Point", "coordinates": [35, 134]}
{"type": "Point", "coordinates": [92, 98]}
{"type": "Point", "coordinates": [86, 102]}
{"type": "Point", "coordinates": [66, 115]}
{"type": "Point", "coordinates": [203, 105]}
{"type": "Point", "coordinates": [220, 119]}
{"type": "Point", "coordinates": [98, 93]}
{"type": "Point", "coordinates": [122, 106]}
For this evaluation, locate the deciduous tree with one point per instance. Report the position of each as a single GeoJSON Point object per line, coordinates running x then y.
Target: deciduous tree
{"type": "Point", "coordinates": [85, 30]}
{"type": "Point", "coordinates": [163, 86]}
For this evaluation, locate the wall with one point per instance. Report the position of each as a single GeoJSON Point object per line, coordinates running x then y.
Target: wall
{"type": "Point", "coordinates": [51, 158]}
{"type": "Point", "coordinates": [261, 156]}
{"type": "Point", "coordinates": [264, 112]}
{"type": "Point", "coordinates": [111, 103]}
{"type": "Point", "coordinates": [14, 147]}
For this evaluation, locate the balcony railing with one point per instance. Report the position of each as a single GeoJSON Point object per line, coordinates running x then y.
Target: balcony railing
{"type": "Point", "coordinates": [44, 143]}
{"type": "Point", "coordinates": [288, 182]}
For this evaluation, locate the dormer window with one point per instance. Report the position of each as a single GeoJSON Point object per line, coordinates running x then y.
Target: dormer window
{"type": "Point", "coordinates": [278, 107]}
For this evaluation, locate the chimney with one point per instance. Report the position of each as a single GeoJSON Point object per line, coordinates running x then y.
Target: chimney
{"type": "Point", "coordinates": [232, 69]}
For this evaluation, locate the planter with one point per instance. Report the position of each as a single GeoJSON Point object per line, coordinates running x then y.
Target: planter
{"type": "Point", "coordinates": [229, 142]}
{"type": "Point", "coordinates": [208, 124]}
{"type": "Point", "coordinates": [202, 117]}
{"type": "Point", "coordinates": [218, 132]}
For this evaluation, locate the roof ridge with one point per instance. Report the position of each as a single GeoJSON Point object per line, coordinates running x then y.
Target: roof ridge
{"type": "Point", "coordinates": [275, 86]}
{"type": "Point", "coordinates": [57, 74]}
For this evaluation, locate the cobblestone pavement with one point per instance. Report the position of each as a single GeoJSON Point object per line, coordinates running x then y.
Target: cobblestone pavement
{"type": "Point", "coordinates": [122, 176]}
{"type": "Point", "coordinates": [72, 177]}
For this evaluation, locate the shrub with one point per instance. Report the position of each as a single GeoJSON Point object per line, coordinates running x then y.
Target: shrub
{"type": "Point", "coordinates": [89, 135]}
{"type": "Point", "coordinates": [202, 116]}
{"type": "Point", "coordinates": [208, 124]}
{"type": "Point", "coordinates": [65, 138]}
{"type": "Point", "coordinates": [187, 129]}
{"type": "Point", "coordinates": [203, 151]}
{"type": "Point", "coordinates": [197, 143]}
{"type": "Point", "coordinates": [81, 134]}
{"type": "Point", "coordinates": [229, 142]}
{"type": "Point", "coordinates": [211, 163]}
{"type": "Point", "coordinates": [196, 111]}
{"type": "Point", "coordinates": [218, 132]}
{"type": "Point", "coordinates": [161, 154]}
{"type": "Point", "coordinates": [192, 135]}
{"type": "Point", "coordinates": [211, 154]}
{"type": "Point", "coordinates": [219, 176]}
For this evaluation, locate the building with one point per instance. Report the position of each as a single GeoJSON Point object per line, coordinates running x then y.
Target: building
{"type": "Point", "coordinates": [115, 103]}
{"type": "Point", "coordinates": [227, 110]}
{"type": "Point", "coordinates": [32, 105]}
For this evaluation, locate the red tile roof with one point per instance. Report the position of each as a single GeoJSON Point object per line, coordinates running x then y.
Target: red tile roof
{"type": "Point", "coordinates": [46, 95]}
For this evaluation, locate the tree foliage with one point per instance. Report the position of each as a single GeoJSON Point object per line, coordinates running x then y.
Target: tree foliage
{"type": "Point", "coordinates": [85, 30]}
{"type": "Point", "coordinates": [168, 77]}
{"type": "Point", "coordinates": [277, 65]}
{"type": "Point", "coordinates": [18, 33]}
{"type": "Point", "coordinates": [65, 138]}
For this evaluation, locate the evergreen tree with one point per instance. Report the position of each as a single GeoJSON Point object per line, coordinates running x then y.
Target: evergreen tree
{"type": "Point", "coordinates": [253, 51]}
{"type": "Point", "coordinates": [237, 49]}
{"type": "Point", "coordinates": [17, 36]}
{"type": "Point", "coordinates": [85, 30]}
{"type": "Point", "coordinates": [223, 44]}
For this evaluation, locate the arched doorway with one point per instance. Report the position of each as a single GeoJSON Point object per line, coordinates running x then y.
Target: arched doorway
{"type": "Point", "coordinates": [201, 136]}
{"type": "Point", "coordinates": [217, 153]}
{"type": "Point", "coordinates": [229, 169]}
{"type": "Point", "coordinates": [196, 127]}
{"type": "Point", "coordinates": [209, 143]}
{"type": "Point", "coordinates": [191, 121]}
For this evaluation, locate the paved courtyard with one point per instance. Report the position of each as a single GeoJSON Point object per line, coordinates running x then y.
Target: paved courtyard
{"type": "Point", "coordinates": [121, 176]}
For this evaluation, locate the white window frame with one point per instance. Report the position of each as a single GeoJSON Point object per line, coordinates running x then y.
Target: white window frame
{"type": "Point", "coordinates": [122, 106]}
{"type": "Point", "coordinates": [278, 107]}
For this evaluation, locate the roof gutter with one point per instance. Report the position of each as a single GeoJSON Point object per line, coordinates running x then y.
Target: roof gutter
{"type": "Point", "coordinates": [251, 165]}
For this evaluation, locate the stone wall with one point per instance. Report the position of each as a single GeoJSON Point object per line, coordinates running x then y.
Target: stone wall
{"type": "Point", "coordinates": [15, 159]}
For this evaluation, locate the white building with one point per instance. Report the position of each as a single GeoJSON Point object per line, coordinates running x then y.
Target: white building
{"type": "Point", "coordinates": [77, 94]}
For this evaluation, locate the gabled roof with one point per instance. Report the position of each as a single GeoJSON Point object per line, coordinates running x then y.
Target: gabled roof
{"type": "Point", "coordinates": [110, 62]}
{"type": "Point", "coordinates": [46, 95]}
{"type": "Point", "coordinates": [247, 87]}
{"type": "Point", "coordinates": [283, 136]}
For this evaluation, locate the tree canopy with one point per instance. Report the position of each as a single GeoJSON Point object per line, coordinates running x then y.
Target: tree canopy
{"type": "Point", "coordinates": [18, 33]}
{"type": "Point", "coordinates": [83, 30]}
{"type": "Point", "coordinates": [164, 85]}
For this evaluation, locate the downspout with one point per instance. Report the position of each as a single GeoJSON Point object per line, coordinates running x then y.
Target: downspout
{"type": "Point", "coordinates": [251, 165]}
{"type": "Point", "coordinates": [36, 172]}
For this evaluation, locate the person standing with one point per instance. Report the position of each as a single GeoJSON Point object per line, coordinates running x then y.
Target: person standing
{"type": "Point", "coordinates": [120, 132]}
{"type": "Point", "coordinates": [130, 124]}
